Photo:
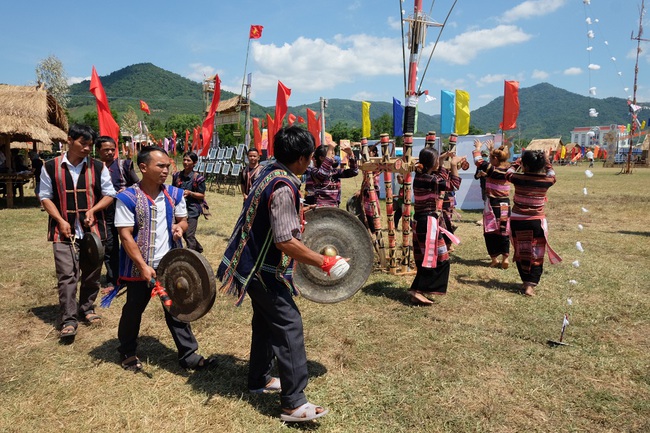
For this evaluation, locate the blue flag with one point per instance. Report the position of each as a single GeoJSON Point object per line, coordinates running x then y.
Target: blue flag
{"type": "Point", "coordinates": [447, 112]}
{"type": "Point", "coordinates": [398, 118]}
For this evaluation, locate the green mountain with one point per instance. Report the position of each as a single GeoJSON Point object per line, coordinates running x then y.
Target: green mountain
{"type": "Point", "coordinates": [545, 110]}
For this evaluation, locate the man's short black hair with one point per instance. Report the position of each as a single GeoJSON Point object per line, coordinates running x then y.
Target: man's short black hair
{"type": "Point", "coordinates": [144, 156]}
{"type": "Point", "coordinates": [252, 149]}
{"type": "Point", "coordinates": [103, 139]}
{"type": "Point", "coordinates": [82, 131]}
{"type": "Point", "coordinates": [292, 142]}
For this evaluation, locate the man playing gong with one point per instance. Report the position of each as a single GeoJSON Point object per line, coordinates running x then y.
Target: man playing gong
{"type": "Point", "coordinates": [259, 261]}
{"type": "Point", "coordinates": [151, 218]}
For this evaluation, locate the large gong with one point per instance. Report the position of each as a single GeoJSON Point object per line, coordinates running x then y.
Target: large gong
{"type": "Point", "coordinates": [189, 280]}
{"type": "Point", "coordinates": [333, 231]}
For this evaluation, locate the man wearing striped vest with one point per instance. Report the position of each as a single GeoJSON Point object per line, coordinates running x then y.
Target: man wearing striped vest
{"type": "Point", "coordinates": [75, 189]}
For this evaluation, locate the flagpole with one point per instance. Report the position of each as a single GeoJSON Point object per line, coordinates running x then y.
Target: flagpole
{"type": "Point", "coordinates": [247, 125]}
{"type": "Point", "coordinates": [245, 66]}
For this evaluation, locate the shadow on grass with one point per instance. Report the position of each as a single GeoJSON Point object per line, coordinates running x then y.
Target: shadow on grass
{"type": "Point", "coordinates": [29, 201]}
{"type": "Point", "coordinates": [475, 262]}
{"type": "Point", "coordinates": [491, 284]}
{"type": "Point", "coordinates": [388, 290]}
{"type": "Point", "coordinates": [49, 314]}
{"type": "Point", "coordinates": [627, 232]}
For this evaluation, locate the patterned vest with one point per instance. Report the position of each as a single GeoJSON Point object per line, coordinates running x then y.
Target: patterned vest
{"type": "Point", "coordinates": [251, 250]}
{"type": "Point", "coordinates": [73, 201]}
{"type": "Point", "coordinates": [138, 203]}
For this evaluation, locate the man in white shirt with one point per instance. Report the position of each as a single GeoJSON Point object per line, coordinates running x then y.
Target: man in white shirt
{"type": "Point", "coordinates": [74, 191]}
{"type": "Point", "coordinates": [144, 208]}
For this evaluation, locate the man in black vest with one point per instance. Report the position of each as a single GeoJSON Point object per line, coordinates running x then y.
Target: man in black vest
{"type": "Point", "coordinates": [123, 175]}
{"type": "Point", "coordinates": [75, 189]}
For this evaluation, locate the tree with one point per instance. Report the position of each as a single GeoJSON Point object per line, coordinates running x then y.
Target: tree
{"type": "Point", "coordinates": [51, 74]}
{"type": "Point", "coordinates": [382, 124]}
{"type": "Point", "coordinates": [130, 122]}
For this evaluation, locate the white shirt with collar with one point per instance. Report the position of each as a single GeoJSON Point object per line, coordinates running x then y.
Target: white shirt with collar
{"type": "Point", "coordinates": [46, 189]}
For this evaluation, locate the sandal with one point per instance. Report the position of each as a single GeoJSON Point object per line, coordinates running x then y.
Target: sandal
{"type": "Point", "coordinates": [306, 412]}
{"type": "Point", "coordinates": [272, 386]}
{"type": "Point", "coordinates": [131, 363]}
{"type": "Point", "coordinates": [68, 331]}
{"type": "Point", "coordinates": [204, 364]}
{"type": "Point", "coordinates": [92, 318]}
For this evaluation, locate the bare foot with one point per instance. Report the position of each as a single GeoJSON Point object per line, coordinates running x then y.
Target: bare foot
{"type": "Point", "coordinates": [494, 262]}
{"type": "Point", "coordinates": [505, 263]}
{"type": "Point", "coordinates": [417, 298]}
{"type": "Point", "coordinates": [528, 290]}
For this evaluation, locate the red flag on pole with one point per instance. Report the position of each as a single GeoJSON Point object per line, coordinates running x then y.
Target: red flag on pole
{"type": "Point", "coordinates": [255, 32]}
{"type": "Point", "coordinates": [187, 140]}
{"type": "Point", "coordinates": [195, 140]}
{"type": "Point", "coordinates": [291, 118]}
{"type": "Point", "coordinates": [313, 126]}
{"type": "Point", "coordinates": [174, 141]}
{"type": "Point", "coordinates": [208, 123]}
{"type": "Point", "coordinates": [281, 105]}
{"type": "Point", "coordinates": [510, 105]}
{"type": "Point", "coordinates": [144, 107]}
{"type": "Point", "coordinates": [107, 125]}
{"type": "Point", "coordinates": [257, 135]}
{"type": "Point", "coordinates": [270, 127]}
{"type": "Point", "coordinates": [300, 119]}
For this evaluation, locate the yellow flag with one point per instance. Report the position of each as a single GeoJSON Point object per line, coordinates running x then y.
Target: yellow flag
{"type": "Point", "coordinates": [462, 112]}
{"type": "Point", "coordinates": [365, 119]}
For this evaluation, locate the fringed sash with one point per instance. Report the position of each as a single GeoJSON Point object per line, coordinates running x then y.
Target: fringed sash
{"type": "Point", "coordinates": [433, 248]}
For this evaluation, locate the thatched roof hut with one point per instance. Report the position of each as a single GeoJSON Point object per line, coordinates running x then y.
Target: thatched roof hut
{"type": "Point", "coordinates": [550, 144]}
{"type": "Point", "coordinates": [28, 113]}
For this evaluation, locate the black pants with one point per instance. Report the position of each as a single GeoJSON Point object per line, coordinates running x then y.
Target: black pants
{"type": "Point", "coordinates": [190, 235]}
{"type": "Point", "coordinates": [277, 331]}
{"type": "Point", "coordinates": [111, 247]}
{"type": "Point", "coordinates": [137, 298]}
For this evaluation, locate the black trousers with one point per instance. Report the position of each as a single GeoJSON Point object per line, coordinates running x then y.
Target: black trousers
{"type": "Point", "coordinates": [137, 298]}
{"type": "Point", "coordinates": [190, 235]}
{"type": "Point", "coordinates": [111, 247]}
{"type": "Point", "coordinates": [277, 332]}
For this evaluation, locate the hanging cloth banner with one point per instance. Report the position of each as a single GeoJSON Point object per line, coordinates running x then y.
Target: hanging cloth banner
{"type": "Point", "coordinates": [462, 112]}
{"type": "Point", "coordinates": [365, 119]}
{"type": "Point", "coordinates": [447, 112]}
{"type": "Point", "coordinates": [398, 118]}
{"type": "Point", "coordinates": [510, 105]}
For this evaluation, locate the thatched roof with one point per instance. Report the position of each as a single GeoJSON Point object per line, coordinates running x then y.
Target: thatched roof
{"type": "Point", "coordinates": [552, 144]}
{"type": "Point", "coordinates": [28, 113]}
{"type": "Point", "coordinates": [229, 105]}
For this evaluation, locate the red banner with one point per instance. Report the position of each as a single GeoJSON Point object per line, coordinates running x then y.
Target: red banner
{"type": "Point", "coordinates": [255, 32]}
{"type": "Point", "coordinates": [510, 105]}
{"type": "Point", "coordinates": [107, 125]}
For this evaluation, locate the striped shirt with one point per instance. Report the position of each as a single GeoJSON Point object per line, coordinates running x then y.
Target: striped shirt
{"type": "Point", "coordinates": [530, 191]}
{"type": "Point", "coordinates": [285, 221]}
{"type": "Point", "coordinates": [496, 184]}
{"type": "Point", "coordinates": [327, 181]}
{"type": "Point", "coordinates": [427, 189]}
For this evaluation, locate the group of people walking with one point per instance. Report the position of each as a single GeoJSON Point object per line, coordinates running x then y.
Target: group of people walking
{"type": "Point", "coordinates": [149, 217]}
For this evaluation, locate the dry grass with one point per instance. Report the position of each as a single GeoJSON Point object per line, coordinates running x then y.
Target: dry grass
{"type": "Point", "coordinates": [475, 362]}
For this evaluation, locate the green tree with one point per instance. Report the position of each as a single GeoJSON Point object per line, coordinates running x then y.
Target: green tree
{"type": "Point", "coordinates": [51, 74]}
{"type": "Point", "coordinates": [473, 130]}
{"type": "Point", "coordinates": [382, 124]}
{"type": "Point", "coordinates": [182, 122]}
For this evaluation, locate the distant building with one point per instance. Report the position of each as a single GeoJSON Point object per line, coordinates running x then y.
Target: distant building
{"type": "Point", "coordinates": [612, 138]}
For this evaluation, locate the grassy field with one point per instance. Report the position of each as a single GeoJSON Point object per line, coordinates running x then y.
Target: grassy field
{"type": "Point", "coordinates": [477, 361]}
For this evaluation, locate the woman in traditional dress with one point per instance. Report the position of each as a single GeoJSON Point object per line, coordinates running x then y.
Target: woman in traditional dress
{"type": "Point", "coordinates": [529, 230]}
{"type": "Point", "coordinates": [429, 248]}
{"type": "Point", "coordinates": [496, 212]}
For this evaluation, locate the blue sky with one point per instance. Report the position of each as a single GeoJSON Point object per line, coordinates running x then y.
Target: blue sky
{"type": "Point", "coordinates": [336, 49]}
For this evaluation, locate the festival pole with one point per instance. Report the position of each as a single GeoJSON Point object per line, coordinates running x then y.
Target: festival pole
{"type": "Point", "coordinates": [323, 106]}
{"type": "Point", "coordinates": [247, 125]}
{"type": "Point", "coordinates": [390, 211]}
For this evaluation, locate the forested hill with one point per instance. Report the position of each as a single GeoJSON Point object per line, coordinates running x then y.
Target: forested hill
{"type": "Point", "coordinates": [546, 111]}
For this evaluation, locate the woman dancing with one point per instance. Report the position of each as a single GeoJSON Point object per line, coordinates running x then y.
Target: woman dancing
{"type": "Point", "coordinates": [496, 212]}
{"type": "Point", "coordinates": [528, 225]}
{"type": "Point", "coordinates": [429, 248]}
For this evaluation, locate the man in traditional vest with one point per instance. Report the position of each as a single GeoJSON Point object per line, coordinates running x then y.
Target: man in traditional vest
{"type": "Point", "coordinates": [250, 173]}
{"type": "Point", "coordinates": [259, 261]}
{"type": "Point", "coordinates": [74, 190]}
{"type": "Point", "coordinates": [151, 218]}
{"type": "Point", "coordinates": [122, 176]}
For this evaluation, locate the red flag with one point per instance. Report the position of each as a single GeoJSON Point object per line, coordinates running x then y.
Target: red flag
{"type": "Point", "coordinates": [313, 126]}
{"type": "Point", "coordinates": [270, 128]}
{"type": "Point", "coordinates": [291, 118]}
{"type": "Point", "coordinates": [187, 140]}
{"type": "Point", "coordinates": [281, 105]}
{"type": "Point", "coordinates": [195, 140]}
{"type": "Point", "coordinates": [174, 141]}
{"type": "Point", "coordinates": [208, 123]}
{"type": "Point", "coordinates": [257, 135]}
{"type": "Point", "coordinates": [300, 119]}
{"type": "Point", "coordinates": [255, 32]}
{"type": "Point", "coordinates": [107, 125]}
{"type": "Point", "coordinates": [144, 107]}
{"type": "Point", "coordinates": [510, 105]}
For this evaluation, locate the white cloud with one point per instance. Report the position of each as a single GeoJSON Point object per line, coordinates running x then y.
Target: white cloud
{"type": "Point", "coordinates": [532, 8]}
{"type": "Point", "coordinates": [200, 71]}
{"type": "Point", "coordinates": [75, 80]}
{"type": "Point", "coordinates": [363, 96]}
{"type": "Point", "coordinates": [491, 78]}
{"type": "Point", "coordinates": [315, 64]}
{"type": "Point", "coordinates": [464, 48]}
{"type": "Point", "coordinates": [486, 97]}
{"type": "Point", "coordinates": [573, 71]}
{"type": "Point", "coordinates": [394, 23]}
{"type": "Point", "coordinates": [355, 5]}
{"type": "Point", "coordinates": [540, 75]}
